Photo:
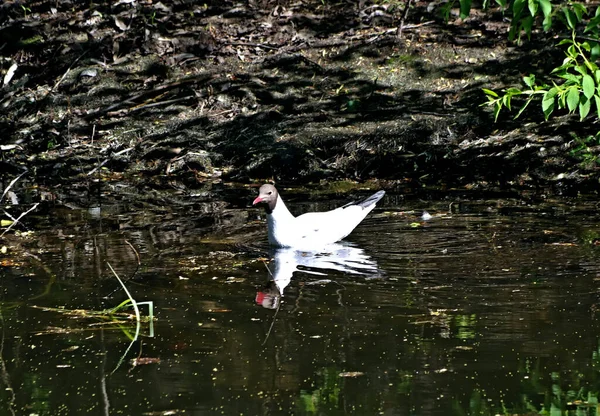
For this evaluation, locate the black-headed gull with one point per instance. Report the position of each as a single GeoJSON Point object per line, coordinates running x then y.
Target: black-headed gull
{"type": "Point", "coordinates": [313, 229]}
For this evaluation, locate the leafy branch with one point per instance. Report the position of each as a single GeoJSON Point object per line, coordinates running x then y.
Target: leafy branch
{"type": "Point", "coordinates": [579, 89]}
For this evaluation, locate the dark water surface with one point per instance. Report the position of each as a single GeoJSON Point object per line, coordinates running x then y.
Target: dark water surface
{"type": "Point", "coordinates": [490, 307]}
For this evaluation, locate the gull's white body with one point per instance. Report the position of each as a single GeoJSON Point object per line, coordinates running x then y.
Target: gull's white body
{"type": "Point", "coordinates": [313, 229]}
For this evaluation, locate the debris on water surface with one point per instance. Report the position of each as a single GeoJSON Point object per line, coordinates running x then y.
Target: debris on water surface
{"type": "Point", "coordinates": [351, 374]}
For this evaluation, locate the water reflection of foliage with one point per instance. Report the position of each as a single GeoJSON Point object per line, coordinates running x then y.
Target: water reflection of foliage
{"type": "Point", "coordinates": [543, 394]}
{"type": "Point", "coordinates": [327, 396]}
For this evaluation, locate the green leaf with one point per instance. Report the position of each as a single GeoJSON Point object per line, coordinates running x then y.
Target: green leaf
{"type": "Point", "coordinates": [549, 96]}
{"type": "Point", "coordinates": [511, 32]}
{"type": "Point", "coordinates": [573, 98]}
{"type": "Point", "coordinates": [549, 109]}
{"type": "Point", "coordinates": [595, 53]}
{"type": "Point", "coordinates": [584, 108]}
{"type": "Point", "coordinates": [497, 109]}
{"type": "Point", "coordinates": [547, 23]}
{"type": "Point", "coordinates": [506, 101]}
{"type": "Point", "coordinates": [529, 81]}
{"type": "Point", "coordinates": [490, 93]}
{"type": "Point", "coordinates": [546, 7]}
{"type": "Point", "coordinates": [518, 7]}
{"type": "Point", "coordinates": [567, 64]}
{"type": "Point", "coordinates": [527, 25]}
{"type": "Point", "coordinates": [533, 7]}
{"type": "Point", "coordinates": [548, 100]}
{"type": "Point", "coordinates": [570, 16]}
{"type": "Point", "coordinates": [581, 69]}
{"type": "Point", "coordinates": [597, 100]}
{"type": "Point", "coordinates": [597, 76]}
{"type": "Point", "coordinates": [572, 79]}
{"type": "Point", "coordinates": [589, 87]}
{"type": "Point", "coordinates": [562, 99]}
{"type": "Point", "coordinates": [465, 8]}
{"type": "Point", "coordinates": [579, 10]}
{"type": "Point", "coordinates": [593, 23]}
{"type": "Point", "coordinates": [552, 92]}
{"type": "Point", "coordinates": [565, 41]}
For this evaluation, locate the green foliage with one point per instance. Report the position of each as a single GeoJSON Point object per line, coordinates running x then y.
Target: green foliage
{"type": "Point", "coordinates": [326, 395]}
{"type": "Point", "coordinates": [583, 150]}
{"type": "Point", "coordinates": [524, 13]}
{"type": "Point", "coordinates": [576, 83]}
{"type": "Point", "coordinates": [465, 8]}
{"type": "Point", "coordinates": [578, 92]}
{"type": "Point", "coordinates": [32, 40]}
{"type": "Point", "coordinates": [25, 11]}
{"type": "Point", "coordinates": [523, 18]}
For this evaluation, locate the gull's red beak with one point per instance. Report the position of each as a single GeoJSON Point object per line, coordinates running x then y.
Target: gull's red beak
{"type": "Point", "coordinates": [257, 200]}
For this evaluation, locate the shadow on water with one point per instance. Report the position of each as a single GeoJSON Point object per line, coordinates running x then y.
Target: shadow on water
{"type": "Point", "coordinates": [488, 307]}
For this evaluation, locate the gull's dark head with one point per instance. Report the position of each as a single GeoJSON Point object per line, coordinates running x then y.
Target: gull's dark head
{"type": "Point", "coordinates": [267, 196]}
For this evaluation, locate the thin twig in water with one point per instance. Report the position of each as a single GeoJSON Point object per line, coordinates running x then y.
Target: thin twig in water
{"type": "Point", "coordinates": [18, 219]}
{"type": "Point", "coordinates": [272, 322]}
{"type": "Point", "coordinates": [11, 184]}
{"type": "Point", "coordinates": [278, 304]}
{"type": "Point", "coordinates": [9, 216]}
{"type": "Point", "coordinates": [267, 266]}
{"type": "Point", "coordinates": [137, 317]}
{"type": "Point", "coordinates": [139, 262]}
{"type": "Point", "coordinates": [136, 255]}
{"type": "Point", "coordinates": [137, 267]}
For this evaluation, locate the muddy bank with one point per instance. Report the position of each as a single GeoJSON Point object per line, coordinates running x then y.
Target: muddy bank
{"type": "Point", "coordinates": [181, 96]}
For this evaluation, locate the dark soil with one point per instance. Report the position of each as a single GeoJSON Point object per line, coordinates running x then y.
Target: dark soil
{"type": "Point", "coordinates": [142, 96]}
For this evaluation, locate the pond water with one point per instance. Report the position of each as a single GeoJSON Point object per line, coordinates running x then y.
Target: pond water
{"type": "Point", "coordinates": [489, 307]}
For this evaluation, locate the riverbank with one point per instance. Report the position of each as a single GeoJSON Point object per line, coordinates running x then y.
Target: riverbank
{"type": "Point", "coordinates": [153, 97]}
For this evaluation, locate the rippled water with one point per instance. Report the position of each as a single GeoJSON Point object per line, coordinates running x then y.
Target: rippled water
{"type": "Point", "coordinates": [490, 307]}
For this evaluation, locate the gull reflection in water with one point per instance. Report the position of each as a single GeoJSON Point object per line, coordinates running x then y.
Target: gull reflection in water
{"type": "Point", "coordinates": [339, 257]}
